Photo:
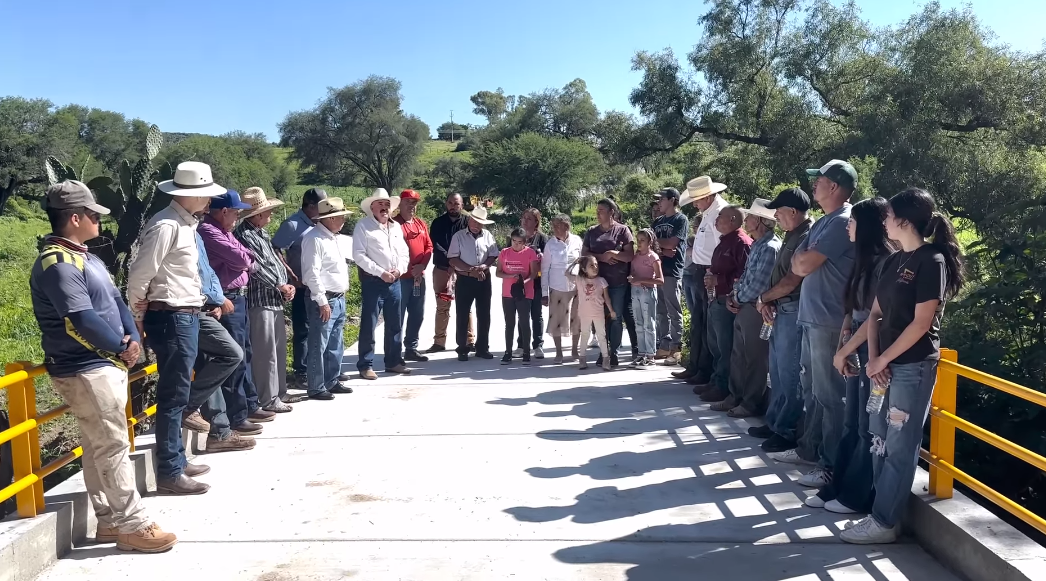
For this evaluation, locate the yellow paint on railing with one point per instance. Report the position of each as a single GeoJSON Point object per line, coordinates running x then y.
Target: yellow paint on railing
{"type": "Point", "coordinates": [944, 421]}
{"type": "Point", "coordinates": [28, 485]}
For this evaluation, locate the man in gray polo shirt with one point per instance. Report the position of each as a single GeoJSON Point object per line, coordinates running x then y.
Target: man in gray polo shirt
{"type": "Point", "coordinates": [824, 260]}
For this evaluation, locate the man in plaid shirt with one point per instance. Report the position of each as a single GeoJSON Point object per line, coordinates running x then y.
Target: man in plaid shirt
{"type": "Point", "coordinates": [750, 355]}
{"type": "Point", "coordinates": [267, 291]}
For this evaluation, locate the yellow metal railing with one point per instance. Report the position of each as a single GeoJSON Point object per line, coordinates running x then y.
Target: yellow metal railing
{"type": "Point", "coordinates": [28, 485]}
{"type": "Point", "coordinates": [943, 423]}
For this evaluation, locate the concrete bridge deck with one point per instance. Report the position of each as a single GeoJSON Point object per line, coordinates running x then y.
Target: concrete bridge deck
{"type": "Point", "coordinates": [482, 471]}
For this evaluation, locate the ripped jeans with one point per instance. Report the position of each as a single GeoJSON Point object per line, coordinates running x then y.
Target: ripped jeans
{"type": "Point", "coordinates": [897, 433]}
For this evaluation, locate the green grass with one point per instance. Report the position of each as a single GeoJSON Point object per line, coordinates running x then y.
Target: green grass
{"type": "Point", "coordinates": [436, 149]}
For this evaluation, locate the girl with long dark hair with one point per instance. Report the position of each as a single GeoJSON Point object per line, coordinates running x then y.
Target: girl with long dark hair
{"type": "Point", "coordinates": [850, 490]}
{"type": "Point", "coordinates": [903, 351]}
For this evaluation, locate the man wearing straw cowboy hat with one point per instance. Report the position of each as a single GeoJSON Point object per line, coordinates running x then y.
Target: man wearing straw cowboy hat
{"type": "Point", "coordinates": [89, 340]}
{"type": "Point", "coordinates": [268, 291]}
{"type": "Point", "coordinates": [750, 354]}
{"type": "Point", "coordinates": [472, 252]}
{"type": "Point", "coordinates": [381, 254]}
{"type": "Point", "coordinates": [165, 278]}
{"type": "Point", "coordinates": [704, 192]}
{"type": "Point", "coordinates": [326, 274]}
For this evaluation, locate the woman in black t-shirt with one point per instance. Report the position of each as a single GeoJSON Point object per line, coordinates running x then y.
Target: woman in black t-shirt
{"type": "Point", "coordinates": [903, 350]}
{"type": "Point", "coordinates": [850, 490]}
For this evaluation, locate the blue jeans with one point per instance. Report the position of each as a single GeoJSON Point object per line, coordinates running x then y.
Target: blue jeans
{"type": "Point", "coordinates": [326, 345]}
{"type": "Point", "coordinates": [852, 472]}
{"type": "Point", "coordinates": [897, 432]}
{"type": "Point", "coordinates": [380, 297]}
{"type": "Point", "coordinates": [174, 337]}
{"type": "Point", "coordinates": [693, 291]}
{"type": "Point", "coordinates": [644, 306]}
{"type": "Point", "coordinates": [300, 331]}
{"type": "Point", "coordinates": [412, 312]}
{"type": "Point", "coordinates": [720, 342]}
{"type": "Point", "coordinates": [615, 327]}
{"type": "Point", "coordinates": [241, 397]}
{"type": "Point", "coordinates": [823, 393]}
{"type": "Point", "coordinates": [786, 390]}
{"type": "Point", "coordinates": [216, 358]}
{"type": "Point", "coordinates": [699, 360]}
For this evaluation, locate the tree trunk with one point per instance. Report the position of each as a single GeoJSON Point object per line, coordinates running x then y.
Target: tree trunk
{"type": "Point", "coordinates": [6, 193]}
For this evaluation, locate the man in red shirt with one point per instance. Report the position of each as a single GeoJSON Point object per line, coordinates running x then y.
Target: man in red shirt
{"type": "Point", "coordinates": [728, 262]}
{"type": "Point", "coordinates": [412, 282]}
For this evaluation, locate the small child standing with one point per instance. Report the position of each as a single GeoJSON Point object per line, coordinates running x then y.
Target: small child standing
{"type": "Point", "coordinates": [592, 298]}
{"type": "Point", "coordinates": [645, 278]}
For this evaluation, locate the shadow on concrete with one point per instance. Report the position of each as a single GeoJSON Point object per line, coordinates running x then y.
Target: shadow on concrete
{"type": "Point", "coordinates": [740, 513]}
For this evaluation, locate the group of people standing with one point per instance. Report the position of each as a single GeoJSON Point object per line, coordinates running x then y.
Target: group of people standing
{"type": "Point", "coordinates": [844, 313]}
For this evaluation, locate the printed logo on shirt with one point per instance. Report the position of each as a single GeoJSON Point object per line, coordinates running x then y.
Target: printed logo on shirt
{"type": "Point", "coordinates": [906, 276]}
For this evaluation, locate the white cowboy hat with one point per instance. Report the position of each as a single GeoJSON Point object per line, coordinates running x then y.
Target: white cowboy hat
{"type": "Point", "coordinates": [759, 209]}
{"type": "Point", "coordinates": [701, 187]}
{"type": "Point", "coordinates": [479, 214]}
{"type": "Point", "coordinates": [379, 194]}
{"type": "Point", "coordinates": [259, 203]}
{"type": "Point", "coordinates": [192, 179]}
{"type": "Point", "coordinates": [330, 208]}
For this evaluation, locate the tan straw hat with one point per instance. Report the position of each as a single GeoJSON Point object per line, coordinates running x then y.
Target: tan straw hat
{"type": "Point", "coordinates": [379, 194]}
{"type": "Point", "coordinates": [479, 214]}
{"type": "Point", "coordinates": [192, 179]}
{"type": "Point", "coordinates": [702, 187]}
{"type": "Point", "coordinates": [330, 208]}
{"type": "Point", "coordinates": [759, 209]}
{"type": "Point", "coordinates": [258, 202]}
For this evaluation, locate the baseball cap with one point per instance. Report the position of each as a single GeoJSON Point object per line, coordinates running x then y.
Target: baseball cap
{"type": "Point", "coordinates": [838, 171]}
{"type": "Point", "coordinates": [230, 199]}
{"type": "Point", "coordinates": [313, 196]}
{"type": "Point", "coordinates": [791, 198]}
{"type": "Point", "coordinates": [410, 195]}
{"type": "Point", "coordinates": [71, 194]}
{"type": "Point", "coordinates": [670, 193]}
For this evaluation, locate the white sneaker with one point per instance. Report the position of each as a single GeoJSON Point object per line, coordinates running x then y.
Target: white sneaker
{"type": "Point", "coordinates": [838, 507]}
{"type": "Point", "coordinates": [789, 457]}
{"type": "Point", "coordinates": [517, 352]}
{"type": "Point", "coordinates": [539, 354]}
{"type": "Point", "coordinates": [814, 502]}
{"type": "Point", "coordinates": [868, 531]}
{"type": "Point", "coordinates": [815, 478]}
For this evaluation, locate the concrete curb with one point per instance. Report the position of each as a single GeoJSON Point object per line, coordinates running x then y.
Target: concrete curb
{"type": "Point", "coordinates": [29, 546]}
{"type": "Point", "coordinates": [969, 539]}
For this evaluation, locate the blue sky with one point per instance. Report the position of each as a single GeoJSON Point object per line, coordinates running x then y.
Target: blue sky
{"type": "Point", "coordinates": [218, 65]}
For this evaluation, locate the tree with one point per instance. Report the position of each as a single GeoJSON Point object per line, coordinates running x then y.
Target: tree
{"type": "Point", "coordinates": [452, 131]}
{"type": "Point", "coordinates": [24, 124]}
{"type": "Point", "coordinates": [933, 101]}
{"type": "Point", "coordinates": [359, 129]}
{"type": "Point", "coordinates": [492, 105]}
{"type": "Point", "coordinates": [534, 170]}
{"type": "Point", "coordinates": [238, 160]}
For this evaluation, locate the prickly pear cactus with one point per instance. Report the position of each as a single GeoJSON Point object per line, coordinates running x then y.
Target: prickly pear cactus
{"type": "Point", "coordinates": [153, 142]}
{"type": "Point", "coordinates": [58, 171]}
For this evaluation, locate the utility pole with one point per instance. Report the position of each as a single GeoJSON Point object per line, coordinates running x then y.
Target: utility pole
{"type": "Point", "coordinates": [452, 126]}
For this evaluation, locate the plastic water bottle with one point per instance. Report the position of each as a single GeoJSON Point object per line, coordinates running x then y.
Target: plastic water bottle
{"type": "Point", "coordinates": [854, 363]}
{"type": "Point", "coordinates": [875, 399]}
{"type": "Point", "coordinates": [417, 286]}
{"type": "Point", "coordinates": [766, 330]}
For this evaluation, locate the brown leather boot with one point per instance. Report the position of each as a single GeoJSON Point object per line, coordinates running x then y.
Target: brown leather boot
{"type": "Point", "coordinates": [148, 539]}
{"type": "Point", "coordinates": [182, 485]}
{"type": "Point", "coordinates": [106, 534]}
{"type": "Point", "coordinates": [233, 443]}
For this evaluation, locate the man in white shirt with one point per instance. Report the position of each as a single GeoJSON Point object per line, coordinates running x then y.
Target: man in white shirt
{"type": "Point", "coordinates": [165, 295]}
{"type": "Point", "coordinates": [472, 252]}
{"type": "Point", "coordinates": [326, 274]}
{"type": "Point", "coordinates": [705, 194]}
{"type": "Point", "coordinates": [560, 296]}
{"type": "Point", "coordinates": [381, 253]}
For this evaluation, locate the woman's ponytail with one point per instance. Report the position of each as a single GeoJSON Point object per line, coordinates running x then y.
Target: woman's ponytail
{"type": "Point", "coordinates": [941, 235]}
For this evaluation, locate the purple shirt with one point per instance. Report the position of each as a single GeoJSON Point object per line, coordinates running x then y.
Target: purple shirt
{"type": "Point", "coordinates": [229, 258]}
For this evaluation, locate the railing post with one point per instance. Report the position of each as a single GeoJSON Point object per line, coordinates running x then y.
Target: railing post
{"type": "Point", "coordinates": [21, 449]}
{"type": "Point", "coordinates": [34, 437]}
{"type": "Point", "coordinates": [129, 412]}
{"type": "Point", "coordinates": [942, 433]}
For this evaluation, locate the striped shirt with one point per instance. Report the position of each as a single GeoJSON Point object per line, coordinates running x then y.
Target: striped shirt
{"type": "Point", "coordinates": [755, 280]}
{"type": "Point", "coordinates": [270, 274]}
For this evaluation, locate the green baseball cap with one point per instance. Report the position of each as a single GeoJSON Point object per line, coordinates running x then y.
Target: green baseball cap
{"type": "Point", "coordinates": [838, 171]}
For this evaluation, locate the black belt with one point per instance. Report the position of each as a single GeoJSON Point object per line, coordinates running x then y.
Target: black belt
{"type": "Point", "coordinates": [786, 300]}
{"type": "Point", "coordinates": [236, 292]}
{"type": "Point", "coordinates": [162, 306]}
{"type": "Point", "coordinates": [331, 295]}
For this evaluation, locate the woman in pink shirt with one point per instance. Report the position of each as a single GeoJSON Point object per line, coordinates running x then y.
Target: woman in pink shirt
{"type": "Point", "coordinates": [518, 265]}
